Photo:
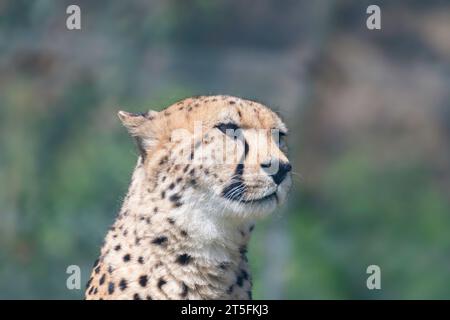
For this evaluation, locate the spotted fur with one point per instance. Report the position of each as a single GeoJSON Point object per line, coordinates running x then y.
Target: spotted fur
{"type": "Point", "coordinates": [184, 226]}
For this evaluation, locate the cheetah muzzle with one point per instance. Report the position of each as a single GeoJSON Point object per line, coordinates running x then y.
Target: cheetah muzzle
{"type": "Point", "coordinates": [208, 168]}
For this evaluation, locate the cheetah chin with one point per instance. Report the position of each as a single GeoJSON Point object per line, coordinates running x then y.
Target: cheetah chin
{"type": "Point", "coordinates": [208, 167]}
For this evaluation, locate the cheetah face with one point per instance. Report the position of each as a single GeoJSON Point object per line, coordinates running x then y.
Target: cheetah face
{"type": "Point", "coordinates": [232, 151]}
{"type": "Point", "coordinates": [245, 169]}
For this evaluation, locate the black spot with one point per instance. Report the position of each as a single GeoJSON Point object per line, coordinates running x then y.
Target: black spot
{"type": "Point", "coordinates": [123, 284]}
{"type": "Point", "coordinates": [177, 204]}
{"type": "Point", "coordinates": [136, 297]}
{"type": "Point", "coordinates": [171, 221]}
{"type": "Point", "coordinates": [163, 160]}
{"type": "Point", "coordinates": [159, 240]}
{"type": "Point", "coordinates": [183, 233]}
{"type": "Point", "coordinates": [102, 280]}
{"type": "Point", "coordinates": [88, 283]}
{"type": "Point", "coordinates": [183, 259]}
{"type": "Point", "coordinates": [149, 298]}
{"type": "Point", "coordinates": [96, 263]}
{"type": "Point", "coordinates": [137, 241]}
{"type": "Point", "coordinates": [155, 210]}
{"type": "Point", "coordinates": [95, 291]}
{"type": "Point", "coordinates": [117, 248]}
{"type": "Point", "coordinates": [126, 257]}
{"type": "Point", "coordinates": [249, 294]}
{"type": "Point", "coordinates": [141, 260]}
{"type": "Point", "coordinates": [97, 269]}
{"type": "Point", "coordinates": [143, 280]}
{"type": "Point", "coordinates": [91, 290]}
{"type": "Point", "coordinates": [184, 290]}
{"type": "Point", "coordinates": [175, 197]}
{"type": "Point", "coordinates": [252, 227]}
{"type": "Point", "coordinates": [223, 265]}
{"type": "Point", "coordinates": [239, 281]}
{"type": "Point", "coordinates": [171, 186]}
{"type": "Point", "coordinates": [244, 274]}
{"type": "Point", "coordinates": [110, 288]}
{"type": "Point", "coordinates": [230, 289]}
{"type": "Point", "coordinates": [161, 282]}
{"type": "Point", "coordinates": [110, 270]}
{"type": "Point", "coordinates": [163, 194]}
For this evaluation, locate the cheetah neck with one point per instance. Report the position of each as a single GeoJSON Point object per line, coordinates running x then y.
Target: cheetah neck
{"type": "Point", "coordinates": [167, 244]}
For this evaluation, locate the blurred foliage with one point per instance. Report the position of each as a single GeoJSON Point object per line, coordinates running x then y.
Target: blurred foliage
{"type": "Point", "coordinates": [369, 133]}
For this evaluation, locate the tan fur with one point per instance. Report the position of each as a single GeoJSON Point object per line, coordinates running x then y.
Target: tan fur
{"type": "Point", "coordinates": [176, 236]}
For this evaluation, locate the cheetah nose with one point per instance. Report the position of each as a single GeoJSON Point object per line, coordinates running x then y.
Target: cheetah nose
{"type": "Point", "coordinates": [280, 174]}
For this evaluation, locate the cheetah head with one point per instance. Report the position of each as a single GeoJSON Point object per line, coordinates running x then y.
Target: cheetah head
{"type": "Point", "coordinates": [223, 153]}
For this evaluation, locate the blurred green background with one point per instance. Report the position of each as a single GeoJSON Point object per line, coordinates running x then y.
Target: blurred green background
{"type": "Point", "coordinates": [368, 112]}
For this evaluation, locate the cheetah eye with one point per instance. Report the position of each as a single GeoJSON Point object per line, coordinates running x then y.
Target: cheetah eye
{"type": "Point", "coordinates": [224, 127]}
{"type": "Point", "coordinates": [279, 137]}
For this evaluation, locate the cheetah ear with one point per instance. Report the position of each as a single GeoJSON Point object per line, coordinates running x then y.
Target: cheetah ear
{"type": "Point", "coordinates": [140, 126]}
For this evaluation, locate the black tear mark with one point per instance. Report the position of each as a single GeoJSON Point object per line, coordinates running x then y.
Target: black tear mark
{"type": "Point", "coordinates": [246, 149]}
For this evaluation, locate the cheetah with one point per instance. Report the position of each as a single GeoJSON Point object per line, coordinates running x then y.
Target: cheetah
{"type": "Point", "coordinates": [208, 168]}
